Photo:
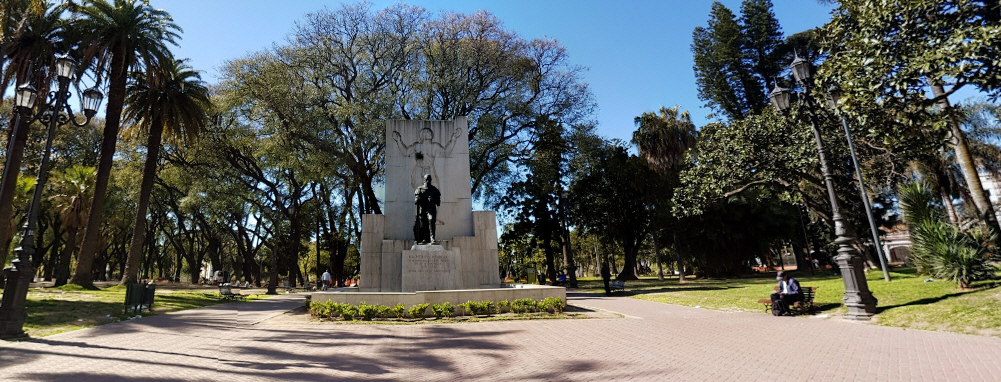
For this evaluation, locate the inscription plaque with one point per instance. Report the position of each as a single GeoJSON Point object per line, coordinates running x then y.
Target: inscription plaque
{"type": "Point", "coordinates": [431, 269]}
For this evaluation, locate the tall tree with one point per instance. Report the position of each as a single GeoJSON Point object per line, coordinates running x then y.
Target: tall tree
{"type": "Point", "coordinates": [31, 44]}
{"type": "Point", "coordinates": [535, 200]}
{"type": "Point", "coordinates": [170, 98]}
{"type": "Point", "coordinates": [722, 71]}
{"type": "Point", "coordinates": [664, 140]}
{"type": "Point", "coordinates": [762, 41]}
{"type": "Point", "coordinates": [117, 37]}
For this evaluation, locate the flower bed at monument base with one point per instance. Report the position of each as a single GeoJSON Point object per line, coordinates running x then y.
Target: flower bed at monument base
{"type": "Point", "coordinates": [330, 310]}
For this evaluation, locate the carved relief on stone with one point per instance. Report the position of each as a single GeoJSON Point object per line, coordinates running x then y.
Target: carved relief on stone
{"type": "Point", "coordinates": [425, 151]}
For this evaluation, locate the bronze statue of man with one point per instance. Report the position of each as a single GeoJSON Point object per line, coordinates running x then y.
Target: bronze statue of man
{"type": "Point", "coordinates": [427, 198]}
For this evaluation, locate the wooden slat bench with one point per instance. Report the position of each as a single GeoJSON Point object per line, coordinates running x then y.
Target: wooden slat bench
{"type": "Point", "coordinates": [803, 306]}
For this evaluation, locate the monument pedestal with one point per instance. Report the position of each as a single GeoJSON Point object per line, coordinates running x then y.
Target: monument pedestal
{"type": "Point", "coordinates": [466, 262]}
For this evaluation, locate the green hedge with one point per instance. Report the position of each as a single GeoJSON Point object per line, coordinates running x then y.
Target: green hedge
{"type": "Point", "coordinates": [366, 312]}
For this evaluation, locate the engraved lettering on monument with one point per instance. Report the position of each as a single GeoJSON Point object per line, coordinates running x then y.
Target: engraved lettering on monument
{"type": "Point", "coordinates": [429, 262]}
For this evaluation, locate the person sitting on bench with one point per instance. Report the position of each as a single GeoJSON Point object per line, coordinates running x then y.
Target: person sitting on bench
{"type": "Point", "coordinates": [788, 293]}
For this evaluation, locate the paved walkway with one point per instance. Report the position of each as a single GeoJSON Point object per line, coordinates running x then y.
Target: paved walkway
{"type": "Point", "coordinates": [651, 342]}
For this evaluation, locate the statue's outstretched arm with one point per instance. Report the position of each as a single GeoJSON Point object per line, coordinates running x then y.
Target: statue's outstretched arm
{"type": "Point", "coordinates": [404, 148]}
{"type": "Point", "coordinates": [451, 141]}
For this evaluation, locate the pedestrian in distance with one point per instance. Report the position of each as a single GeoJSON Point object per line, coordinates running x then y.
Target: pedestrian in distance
{"type": "Point", "coordinates": [325, 280]}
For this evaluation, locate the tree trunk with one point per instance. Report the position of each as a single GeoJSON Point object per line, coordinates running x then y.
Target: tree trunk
{"type": "Point", "coordinates": [629, 261]}
{"type": "Point", "coordinates": [550, 262]}
{"type": "Point", "coordinates": [660, 262]}
{"type": "Point", "coordinates": [15, 152]}
{"type": "Point", "coordinates": [337, 256]}
{"type": "Point", "coordinates": [116, 100]}
{"type": "Point", "coordinates": [63, 271]}
{"type": "Point", "coordinates": [145, 190]}
{"type": "Point", "coordinates": [273, 272]}
{"type": "Point", "coordinates": [681, 261]}
{"type": "Point", "coordinates": [50, 264]}
{"type": "Point", "coordinates": [177, 267]}
{"type": "Point", "coordinates": [949, 208]}
{"type": "Point", "coordinates": [967, 164]}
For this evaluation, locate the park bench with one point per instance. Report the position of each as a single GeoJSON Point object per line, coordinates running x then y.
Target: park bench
{"type": "Point", "coordinates": [803, 306]}
{"type": "Point", "coordinates": [617, 285]}
{"type": "Point", "coordinates": [227, 293]}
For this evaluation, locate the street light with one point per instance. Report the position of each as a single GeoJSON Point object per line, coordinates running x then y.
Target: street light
{"type": "Point", "coordinates": [859, 300]}
{"type": "Point", "coordinates": [55, 112]}
{"type": "Point", "coordinates": [833, 95]}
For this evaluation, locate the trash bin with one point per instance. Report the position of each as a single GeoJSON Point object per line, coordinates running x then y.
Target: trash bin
{"type": "Point", "coordinates": [148, 294]}
{"type": "Point", "coordinates": [531, 277]}
{"type": "Point", "coordinates": [139, 296]}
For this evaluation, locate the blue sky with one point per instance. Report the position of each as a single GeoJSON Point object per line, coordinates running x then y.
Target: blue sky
{"type": "Point", "coordinates": [637, 51]}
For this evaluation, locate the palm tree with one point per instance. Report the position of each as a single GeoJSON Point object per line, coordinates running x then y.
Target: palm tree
{"type": "Point", "coordinates": [171, 99]}
{"type": "Point", "coordinates": [74, 188]}
{"type": "Point", "coordinates": [117, 37]}
{"type": "Point", "coordinates": [664, 140]}
{"type": "Point", "coordinates": [32, 43]}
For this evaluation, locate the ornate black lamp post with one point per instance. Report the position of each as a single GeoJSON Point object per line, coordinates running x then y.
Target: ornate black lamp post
{"type": "Point", "coordinates": [859, 300]}
{"type": "Point", "coordinates": [55, 113]}
{"type": "Point", "coordinates": [833, 95]}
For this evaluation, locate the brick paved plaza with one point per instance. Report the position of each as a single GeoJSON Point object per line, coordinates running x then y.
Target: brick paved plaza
{"type": "Point", "coordinates": [650, 342]}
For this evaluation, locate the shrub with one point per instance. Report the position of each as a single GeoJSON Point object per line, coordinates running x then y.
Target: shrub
{"type": "Point", "coordinates": [517, 307]}
{"type": "Point", "coordinates": [503, 306]}
{"type": "Point", "coordinates": [367, 312]}
{"type": "Point", "coordinates": [417, 311]}
{"type": "Point", "coordinates": [317, 310]}
{"type": "Point", "coordinates": [349, 312]}
{"type": "Point", "coordinates": [552, 304]}
{"type": "Point", "coordinates": [443, 310]}
{"type": "Point", "coordinates": [384, 312]}
{"type": "Point", "coordinates": [941, 249]}
{"type": "Point", "coordinates": [524, 305]}
{"type": "Point", "coordinates": [326, 309]}
{"type": "Point", "coordinates": [398, 311]}
{"type": "Point", "coordinates": [487, 307]}
{"type": "Point", "coordinates": [467, 308]}
{"type": "Point", "coordinates": [545, 305]}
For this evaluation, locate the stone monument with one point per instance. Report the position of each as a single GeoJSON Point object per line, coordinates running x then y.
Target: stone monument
{"type": "Point", "coordinates": [463, 255]}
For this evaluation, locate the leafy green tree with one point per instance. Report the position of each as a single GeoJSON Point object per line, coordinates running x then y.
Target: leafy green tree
{"type": "Point", "coordinates": [117, 37]}
{"type": "Point", "coordinates": [890, 53]}
{"type": "Point", "coordinates": [537, 200]}
{"type": "Point", "coordinates": [612, 201]}
{"type": "Point", "coordinates": [171, 99]}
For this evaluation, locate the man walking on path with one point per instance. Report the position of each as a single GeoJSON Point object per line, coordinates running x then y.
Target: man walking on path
{"type": "Point", "coordinates": [325, 279]}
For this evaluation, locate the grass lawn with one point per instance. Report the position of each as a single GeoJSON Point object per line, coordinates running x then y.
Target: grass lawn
{"type": "Point", "coordinates": [907, 301]}
{"type": "Point", "coordinates": [57, 310]}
